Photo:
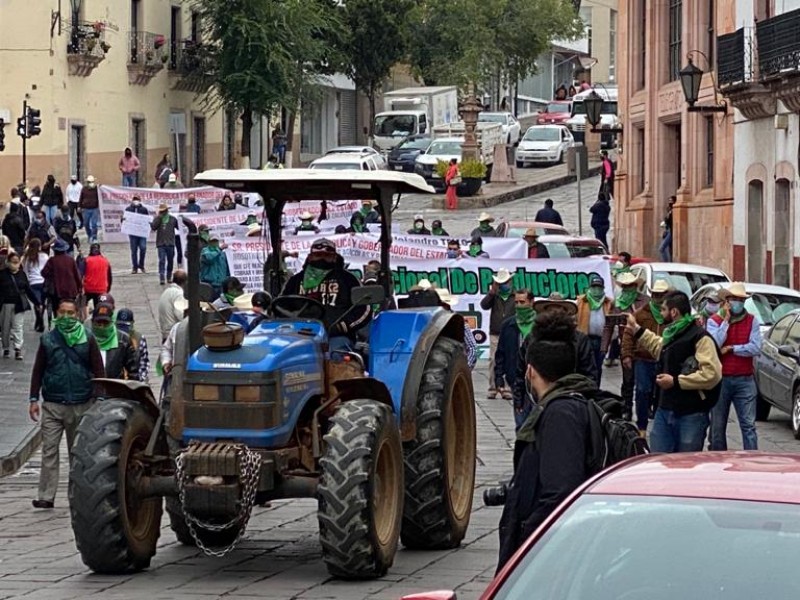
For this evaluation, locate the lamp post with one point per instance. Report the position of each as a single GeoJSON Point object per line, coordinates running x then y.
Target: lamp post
{"type": "Point", "coordinates": [469, 112]}
{"type": "Point", "coordinates": [691, 80]}
{"type": "Point", "coordinates": [594, 110]}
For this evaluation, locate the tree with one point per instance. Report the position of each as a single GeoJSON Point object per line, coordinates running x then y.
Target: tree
{"type": "Point", "coordinates": [374, 43]}
{"type": "Point", "coordinates": [259, 55]}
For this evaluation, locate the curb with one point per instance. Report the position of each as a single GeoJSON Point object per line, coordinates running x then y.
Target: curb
{"type": "Point", "coordinates": [13, 462]}
{"type": "Point", "coordinates": [515, 194]}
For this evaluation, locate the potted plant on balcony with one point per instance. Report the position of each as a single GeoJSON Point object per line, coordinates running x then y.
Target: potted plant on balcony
{"type": "Point", "coordinates": [472, 174]}
{"type": "Point", "coordinates": [164, 59]}
{"type": "Point", "coordinates": [159, 41]}
{"type": "Point", "coordinates": [91, 43]}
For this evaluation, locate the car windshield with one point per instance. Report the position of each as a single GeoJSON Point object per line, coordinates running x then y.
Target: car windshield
{"type": "Point", "coordinates": [661, 548]}
{"type": "Point", "coordinates": [558, 107]}
{"type": "Point", "coordinates": [542, 134]}
{"type": "Point", "coordinates": [418, 144]}
{"type": "Point", "coordinates": [768, 308]}
{"type": "Point", "coordinates": [337, 166]}
{"type": "Point", "coordinates": [491, 118]}
{"type": "Point", "coordinates": [518, 232]}
{"type": "Point", "coordinates": [445, 148]}
{"type": "Point", "coordinates": [608, 108]}
{"type": "Point", "coordinates": [688, 283]}
{"type": "Point", "coordinates": [395, 125]}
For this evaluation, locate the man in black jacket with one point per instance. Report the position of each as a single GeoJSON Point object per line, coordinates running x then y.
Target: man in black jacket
{"type": "Point", "coordinates": [499, 301]}
{"type": "Point", "coordinates": [325, 279]}
{"type": "Point", "coordinates": [512, 337]}
{"type": "Point", "coordinates": [120, 356]}
{"type": "Point", "coordinates": [554, 441]}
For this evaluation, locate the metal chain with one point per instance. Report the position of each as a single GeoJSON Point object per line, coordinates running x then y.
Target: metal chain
{"type": "Point", "coordinates": [249, 473]}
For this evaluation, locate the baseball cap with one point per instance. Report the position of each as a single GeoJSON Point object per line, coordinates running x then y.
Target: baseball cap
{"type": "Point", "coordinates": [103, 312]}
{"type": "Point", "coordinates": [596, 280]}
{"type": "Point", "coordinates": [106, 299]}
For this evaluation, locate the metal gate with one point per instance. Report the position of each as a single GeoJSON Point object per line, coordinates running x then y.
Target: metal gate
{"type": "Point", "coordinates": [346, 100]}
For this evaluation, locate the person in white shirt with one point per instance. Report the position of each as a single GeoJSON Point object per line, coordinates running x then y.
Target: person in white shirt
{"type": "Point", "coordinates": [33, 261]}
{"type": "Point", "coordinates": [73, 197]}
{"type": "Point", "coordinates": [168, 313]}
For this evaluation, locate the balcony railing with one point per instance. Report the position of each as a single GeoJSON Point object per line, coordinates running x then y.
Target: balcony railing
{"type": "Point", "coordinates": [735, 57]}
{"type": "Point", "coordinates": [779, 44]}
{"type": "Point", "coordinates": [188, 58]}
{"type": "Point", "coordinates": [88, 39]}
{"type": "Point", "coordinates": [147, 49]}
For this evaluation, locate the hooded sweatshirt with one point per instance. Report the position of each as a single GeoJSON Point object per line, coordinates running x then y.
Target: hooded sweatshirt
{"type": "Point", "coordinates": [129, 164]}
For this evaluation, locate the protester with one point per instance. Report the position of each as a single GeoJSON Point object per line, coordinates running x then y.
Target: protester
{"type": "Point", "coordinates": [173, 183]}
{"type": "Point", "coordinates": [14, 293]}
{"type": "Point", "coordinates": [97, 278]}
{"type": "Point", "coordinates": [191, 205]}
{"type": "Point", "coordinates": [357, 225]}
{"type": "Point", "coordinates": [689, 376]}
{"type": "Point", "coordinates": [665, 249]}
{"type": "Point", "coordinates": [451, 181]}
{"type": "Point", "coordinates": [643, 363]}
{"type": "Point", "coordinates": [306, 224]}
{"type": "Point", "coordinates": [437, 229]}
{"type": "Point", "coordinates": [738, 335]}
{"type": "Point", "coordinates": [52, 198]}
{"type": "Point", "coordinates": [709, 306]}
{"type": "Point", "coordinates": [214, 265]}
{"type": "Point", "coordinates": [259, 305]}
{"type": "Point", "coordinates": [167, 314]}
{"type": "Point", "coordinates": [33, 262]}
{"type": "Point", "coordinates": [231, 289]}
{"type": "Point", "coordinates": [14, 227]}
{"type": "Point", "coordinates": [513, 332]}
{"type": "Point", "coordinates": [35, 198]}
{"type": "Point", "coordinates": [279, 143]}
{"type": "Point", "coordinates": [548, 214]}
{"type": "Point", "coordinates": [273, 162]}
{"type": "Point", "coordinates": [593, 306]}
{"type": "Point", "coordinates": [448, 301]}
{"type": "Point", "coordinates": [62, 281]}
{"type": "Point", "coordinates": [125, 324]}
{"type": "Point", "coordinates": [138, 243]}
{"type": "Point", "coordinates": [226, 203]}
{"type": "Point", "coordinates": [168, 347]}
{"type": "Point", "coordinates": [601, 210]}
{"type": "Point", "coordinates": [66, 228]}
{"type": "Point", "coordinates": [250, 219]}
{"type": "Point", "coordinates": [535, 248]}
{"type": "Point", "coordinates": [40, 229]}
{"type": "Point", "coordinates": [165, 226]}
{"type": "Point", "coordinates": [419, 226]}
{"type": "Point", "coordinates": [476, 248]}
{"type": "Point", "coordinates": [454, 249]}
{"type": "Point", "coordinates": [370, 214]}
{"type": "Point", "coordinates": [163, 171]}
{"type": "Point", "coordinates": [74, 188]}
{"type": "Point", "coordinates": [484, 228]}
{"type": "Point", "coordinates": [66, 362]}
{"type": "Point", "coordinates": [553, 443]}
{"type": "Point", "coordinates": [606, 175]}
{"type": "Point", "coordinates": [120, 358]}
{"type": "Point", "coordinates": [501, 303]}
{"type": "Point", "coordinates": [89, 204]}
{"type": "Point", "coordinates": [623, 264]}
{"type": "Point", "coordinates": [129, 167]}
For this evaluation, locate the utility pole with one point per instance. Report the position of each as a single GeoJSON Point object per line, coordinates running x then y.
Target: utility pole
{"type": "Point", "coordinates": [22, 131]}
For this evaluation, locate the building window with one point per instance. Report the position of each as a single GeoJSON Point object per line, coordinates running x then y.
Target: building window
{"type": "Point", "coordinates": [612, 47]}
{"type": "Point", "coordinates": [77, 151]}
{"type": "Point", "coordinates": [675, 32]}
{"type": "Point", "coordinates": [640, 159]}
{"type": "Point", "coordinates": [586, 17]}
{"type": "Point", "coordinates": [709, 182]}
{"type": "Point", "coordinates": [641, 80]}
{"type": "Point", "coordinates": [195, 36]}
{"type": "Point", "coordinates": [711, 38]}
{"type": "Point", "coordinates": [139, 147]}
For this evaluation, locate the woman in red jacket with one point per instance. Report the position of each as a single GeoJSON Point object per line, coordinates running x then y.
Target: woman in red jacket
{"type": "Point", "coordinates": [451, 202]}
{"type": "Point", "coordinates": [97, 276]}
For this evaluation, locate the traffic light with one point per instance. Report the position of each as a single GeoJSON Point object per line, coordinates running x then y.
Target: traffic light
{"type": "Point", "coordinates": [2, 135]}
{"type": "Point", "coordinates": [21, 132]}
{"type": "Point", "coordinates": [34, 122]}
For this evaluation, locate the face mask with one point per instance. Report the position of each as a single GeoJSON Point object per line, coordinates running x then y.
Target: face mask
{"type": "Point", "coordinates": [737, 307]}
{"type": "Point", "coordinates": [418, 226]}
{"type": "Point", "coordinates": [712, 308]}
{"type": "Point", "coordinates": [136, 203]}
{"type": "Point", "coordinates": [204, 235]}
{"type": "Point", "coordinates": [597, 292]}
{"type": "Point", "coordinates": [474, 250]}
{"type": "Point", "coordinates": [452, 254]}
{"type": "Point", "coordinates": [305, 224]}
{"type": "Point", "coordinates": [485, 226]}
{"type": "Point", "coordinates": [505, 287]}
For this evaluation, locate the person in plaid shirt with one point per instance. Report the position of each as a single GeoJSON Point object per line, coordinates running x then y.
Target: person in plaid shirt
{"type": "Point", "coordinates": [125, 323]}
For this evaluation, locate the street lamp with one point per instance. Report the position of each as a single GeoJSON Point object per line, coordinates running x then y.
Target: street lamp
{"type": "Point", "coordinates": [691, 80]}
{"type": "Point", "coordinates": [593, 103]}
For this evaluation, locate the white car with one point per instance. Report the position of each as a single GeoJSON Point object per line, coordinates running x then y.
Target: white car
{"type": "Point", "coordinates": [441, 149]}
{"type": "Point", "coordinates": [544, 144]}
{"type": "Point", "coordinates": [347, 161]}
{"type": "Point", "coordinates": [768, 303]}
{"type": "Point", "coordinates": [681, 277]}
{"type": "Point", "coordinates": [511, 127]}
{"type": "Point", "coordinates": [363, 150]}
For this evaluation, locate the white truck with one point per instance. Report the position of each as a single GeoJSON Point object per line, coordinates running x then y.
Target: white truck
{"type": "Point", "coordinates": [578, 123]}
{"type": "Point", "coordinates": [447, 142]}
{"type": "Point", "coordinates": [412, 111]}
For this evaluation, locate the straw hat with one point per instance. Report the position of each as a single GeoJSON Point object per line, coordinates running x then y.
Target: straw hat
{"type": "Point", "coordinates": [446, 297]}
{"type": "Point", "coordinates": [556, 299]}
{"type": "Point", "coordinates": [503, 276]}
{"type": "Point", "coordinates": [734, 290]}
{"type": "Point", "coordinates": [484, 216]}
{"type": "Point", "coordinates": [243, 302]}
{"type": "Point", "coordinates": [163, 206]}
{"type": "Point", "coordinates": [626, 278]}
{"type": "Point", "coordinates": [306, 216]}
{"type": "Point", "coordinates": [660, 286]}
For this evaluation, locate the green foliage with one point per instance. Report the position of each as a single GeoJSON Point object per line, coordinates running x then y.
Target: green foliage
{"type": "Point", "coordinates": [441, 168]}
{"type": "Point", "coordinates": [472, 168]}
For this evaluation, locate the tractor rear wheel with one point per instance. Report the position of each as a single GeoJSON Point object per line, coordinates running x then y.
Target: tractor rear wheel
{"type": "Point", "coordinates": [361, 491]}
{"type": "Point", "coordinates": [440, 462]}
{"type": "Point", "coordinates": [115, 530]}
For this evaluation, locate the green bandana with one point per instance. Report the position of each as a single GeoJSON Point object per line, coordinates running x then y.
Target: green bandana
{"type": "Point", "coordinates": [250, 220]}
{"type": "Point", "coordinates": [474, 250]}
{"type": "Point", "coordinates": [595, 299]}
{"type": "Point", "coordinates": [306, 225]}
{"type": "Point", "coordinates": [313, 276]}
{"type": "Point", "coordinates": [165, 218]}
{"type": "Point", "coordinates": [525, 316]}
{"type": "Point", "coordinates": [626, 298]}
{"type": "Point", "coordinates": [71, 329]}
{"type": "Point", "coordinates": [365, 210]}
{"type": "Point", "coordinates": [439, 231]}
{"type": "Point", "coordinates": [106, 336]}
{"type": "Point", "coordinates": [205, 235]}
{"type": "Point", "coordinates": [358, 227]}
{"type": "Point", "coordinates": [675, 328]}
{"type": "Point", "coordinates": [655, 310]}
{"type": "Point", "coordinates": [231, 296]}
{"type": "Point", "coordinates": [485, 226]}
{"type": "Point", "coordinates": [504, 294]}
{"type": "Point", "coordinates": [417, 226]}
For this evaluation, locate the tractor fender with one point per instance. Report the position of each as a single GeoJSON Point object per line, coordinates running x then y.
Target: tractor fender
{"type": "Point", "coordinates": [443, 324]}
{"type": "Point", "coordinates": [363, 388]}
{"type": "Point", "coordinates": [136, 391]}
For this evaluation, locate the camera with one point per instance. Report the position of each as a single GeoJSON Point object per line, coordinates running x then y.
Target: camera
{"type": "Point", "coordinates": [495, 496]}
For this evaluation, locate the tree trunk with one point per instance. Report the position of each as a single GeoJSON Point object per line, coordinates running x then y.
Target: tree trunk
{"type": "Point", "coordinates": [370, 127]}
{"type": "Point", "coordinates": [247, 128]}
{"type": "Point", "coordinates": [289, 162]}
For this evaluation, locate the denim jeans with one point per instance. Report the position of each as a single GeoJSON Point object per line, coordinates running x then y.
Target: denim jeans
{"type": "Point", "coordinates": [645, 384]}
{"type": "Point", "coordinates": [600, 235]}
{"type": "Point", "coordinates": [50, 213]}
{"type": "Point", "coordinates": [741, 392]}
{"type": "Point", "coordinates": [129, 180]}
{"type": "Point", "coordinates": [138, 250]}
{"type": "Point", "coordinates": [678, 433]}
{"type": "Point", "coordinates": [179, 249]}
{"type": "Point", "coordinates": [166, 254]}
{"type": "Point", "coordinates": [665, 249]}
{"type": "Point", "coordinates": [90, 218]}
{"type": "Point", "coordinates": [596, 341]}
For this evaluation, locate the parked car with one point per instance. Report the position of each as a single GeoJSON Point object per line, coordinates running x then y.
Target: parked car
{"type": "Point", "coordinates": [440, 149]}
{"type": "Point", "coordinates": [568, 246]}
{"type": "Point", "coordinates": [511, 127]}
{"type": "Point", "coordinates": [517, 229]}
{"type": "Point", "coordinates": [768, 302]}
{"type": "Point", "coordinates": [663, 526]}
{"type": "Point", "coordinates": [402, 156]}
{"type": "Point", "coordinates": [544, 144]}
{"type": "Point", "coordinates": [777, 371]}
{"type": "Point", "coordinates": [681, 276]}
{"type": "Point", "coordinates": [363, 150]}
{"type": "Point", "coordinates": [343, 161]}
{"type": "Point", "coordinates": [556, 113]}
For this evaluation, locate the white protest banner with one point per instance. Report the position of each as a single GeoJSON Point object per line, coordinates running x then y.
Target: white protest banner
{"type": "Point", "coordinates": [136, 224]}
{"type": "Point", "coordinates": [493, 246]}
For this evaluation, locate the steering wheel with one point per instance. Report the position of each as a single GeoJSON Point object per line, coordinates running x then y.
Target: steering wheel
{"type": "Point", "coordinates": [297, 307]}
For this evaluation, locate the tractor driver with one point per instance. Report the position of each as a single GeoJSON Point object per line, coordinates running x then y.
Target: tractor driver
{"type": "Point", "coordinates": [325, 278]}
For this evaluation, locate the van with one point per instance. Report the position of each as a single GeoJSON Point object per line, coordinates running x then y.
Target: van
{"type": "Point", "coordinates": [578, 123]}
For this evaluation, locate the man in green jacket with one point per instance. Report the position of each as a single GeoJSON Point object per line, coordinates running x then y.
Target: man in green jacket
{"type": "Point", "coordinates": [214, 265]}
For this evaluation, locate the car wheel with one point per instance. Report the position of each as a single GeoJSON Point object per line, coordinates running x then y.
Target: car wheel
{"type": "Point", "coordinates": [796, 413]}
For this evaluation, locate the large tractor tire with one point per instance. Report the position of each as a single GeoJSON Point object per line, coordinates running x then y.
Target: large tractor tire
{"type": "Point", "coordinates": [440, 462]}
{"type": "Point", "coordinates": [115, 531]}
{"type": "Point", "coordinates": [210, 539]}
{"type": "Point", "coordinates": [361, 491]}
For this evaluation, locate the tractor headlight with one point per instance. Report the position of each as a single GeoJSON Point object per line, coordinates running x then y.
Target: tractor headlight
{"type": "Point", "coordinates": [209, 393]}
{"type": "Point", "coordinates": [247, 393]}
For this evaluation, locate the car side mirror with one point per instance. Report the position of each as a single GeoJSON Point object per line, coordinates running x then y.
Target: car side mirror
{"type": "Point", "coordinates": [789, 352]}
{"type": "Point", "coordinates": [366, 295]}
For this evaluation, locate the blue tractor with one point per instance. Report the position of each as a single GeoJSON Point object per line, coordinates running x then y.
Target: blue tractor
{"type": "Point", "coordinates": [383, 438]}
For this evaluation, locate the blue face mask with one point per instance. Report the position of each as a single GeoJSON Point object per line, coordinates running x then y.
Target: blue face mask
{"type": "Point", "coordinates": [452, 254]}
{"type": "Point", "coordinates": [505, 287]}
{"type": "Point", "coordinates": [737, 307]}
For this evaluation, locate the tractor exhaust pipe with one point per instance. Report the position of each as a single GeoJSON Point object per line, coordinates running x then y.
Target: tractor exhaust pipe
{"type": "Point", "coordinates": [193, 285]}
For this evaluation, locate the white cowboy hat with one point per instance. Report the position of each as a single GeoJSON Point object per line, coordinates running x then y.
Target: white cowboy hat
{"type": "Point", "coordinates": [556, 299]}
{"type": "Point", "coordinates": [173, 177]}
{"type": "Point", "coordinates": [90, 179]}
{"type": "Point", "coordinates": [306, 216]}
{"type": "Point", "coordinates": [502, 276]}
{"type": "Point", "coordinates": [419, 217]}
{"type": "Point", "coordinates": [484, 216]}
{"type": "Point", "coordinates": [446, 297]}
{"type": "Point", "coordinates": [660, 286]}
{"type": "Point", "coordinates": [734, 290]}
{"type": "Point", "coordinates": [243, 302]}
{"type": "Point", "coordinates": [424, 284]}
{"type": "Point", "coordinates": [626, 278]}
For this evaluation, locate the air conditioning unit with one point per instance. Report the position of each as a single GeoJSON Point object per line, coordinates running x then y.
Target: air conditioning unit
{"type": "Point", "coordinates": [782, 122]}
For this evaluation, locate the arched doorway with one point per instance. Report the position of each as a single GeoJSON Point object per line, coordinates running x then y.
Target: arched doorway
{"type": "Point", "coordinates": [781, 274]}
{"type": "Point", "coordinates": [755, 231]}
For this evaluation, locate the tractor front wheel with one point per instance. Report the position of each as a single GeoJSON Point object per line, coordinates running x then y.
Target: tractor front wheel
{"type": "Point", "coordinates": [440, 461]}
{"type": "Point", "coordinates": [361, 491]}
{"type": "Point", "coordinates": [115, 530]}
